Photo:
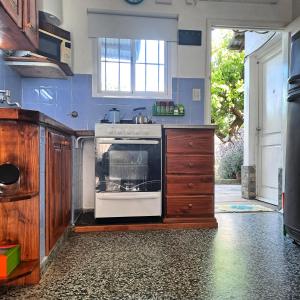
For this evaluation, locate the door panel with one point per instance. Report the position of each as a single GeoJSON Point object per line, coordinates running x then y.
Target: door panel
{"type": "Point", "coordinates": [30, 21]}
{"type": "Point", "coordinates": [14, 9]}
{"type": "Point", "coordinates": [269, 135]}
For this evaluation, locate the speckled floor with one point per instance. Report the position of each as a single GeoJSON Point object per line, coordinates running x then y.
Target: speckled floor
{"type": "Point", "coordinates": [246, 258]}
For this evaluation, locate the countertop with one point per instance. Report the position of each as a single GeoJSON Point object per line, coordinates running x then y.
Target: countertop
{"type": "Point", "coordinates": [39, 118]}
{"type": "Point", "coordinates": [183, 126]}
{"type": "Point", "coordinates": [32, 116]}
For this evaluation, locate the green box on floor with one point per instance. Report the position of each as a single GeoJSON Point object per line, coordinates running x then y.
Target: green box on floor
{"type": "Point", "coordinates": [10, 257]}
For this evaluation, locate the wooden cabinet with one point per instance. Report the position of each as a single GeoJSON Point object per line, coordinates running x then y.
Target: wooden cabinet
{"type": "Point", "coordinates": [30, 22]}
{"type": "Point", "coordinates": [19, 25]}
{"type": "Point", "coordinates": [19, 202]}
{"type": "Point", "coordinates": [58, 186]}
{"type": "Point", "coordinates": [15, 10]}
{"type": "Point", "coordinates": [189, 175]}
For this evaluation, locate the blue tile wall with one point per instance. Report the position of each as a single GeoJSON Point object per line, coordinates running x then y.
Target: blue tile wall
{"type": "Point", "coordinates": [58, 98]}
{"type": "Point", "coordinates": [10, 80]}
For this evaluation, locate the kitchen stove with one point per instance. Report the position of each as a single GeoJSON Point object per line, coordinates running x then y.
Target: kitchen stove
{"type": "Point", "coordinates": [128, 170]}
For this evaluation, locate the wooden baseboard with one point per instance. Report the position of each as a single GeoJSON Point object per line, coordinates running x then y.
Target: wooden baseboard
{"type": "Point", "coordinates": [207, 223]}
{"type": "Point", "coordinates": [210, 220]}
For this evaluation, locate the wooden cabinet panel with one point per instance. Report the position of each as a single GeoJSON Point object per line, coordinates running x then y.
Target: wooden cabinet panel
{"type": "Point", "coordinates": [67, 181]}
{"type": "Point", "coordinates": [19, 145]}
{"type": "Point", "coordinates": [190, 206]}
{"type": "Point", "coordinates": [19, 25]}
{"type": "Point", "coordinates": [30, 22]}
{"type": "Point", "coordinates": [189, 141]}
{"type": "Point", "coordinates": [189, 185]}
{"type": "Point", "coordinates": [190, 164]}
{"type": "Point", "coordinates": [58, 188]}
{"type": "Point", "coordinates": [15, 10]}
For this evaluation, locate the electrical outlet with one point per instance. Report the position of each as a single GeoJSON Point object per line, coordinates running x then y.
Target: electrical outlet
{"type": "Point", "coordinates": [196, 95]}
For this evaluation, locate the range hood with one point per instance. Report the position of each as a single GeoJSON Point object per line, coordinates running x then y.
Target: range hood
{"type": "Point", "coordinates": [38, 67]}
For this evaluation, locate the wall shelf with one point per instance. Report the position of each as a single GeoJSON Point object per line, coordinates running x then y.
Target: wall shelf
{"type": "Point", "coordinates": [167, 115]}
{"type": "Point", "coordinates": [25, 268]}
{"type": "Point", "coordinates": [39, 67]}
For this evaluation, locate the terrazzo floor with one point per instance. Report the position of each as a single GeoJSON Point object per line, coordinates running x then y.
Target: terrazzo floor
{"type": "Point", "coordinates": [246, 258]}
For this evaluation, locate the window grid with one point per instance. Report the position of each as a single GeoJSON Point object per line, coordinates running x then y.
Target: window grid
{"type": "Point", "coordinates": [133, 63]}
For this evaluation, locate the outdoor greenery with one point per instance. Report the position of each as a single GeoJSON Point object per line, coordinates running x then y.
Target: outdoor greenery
{"type": "Point", "coordinates": [230, 158]}
{"type": "Point", "coordinates": [227, 91]}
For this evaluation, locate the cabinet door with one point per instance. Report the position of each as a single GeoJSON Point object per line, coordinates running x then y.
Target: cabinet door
{"type": "Point", "coordinates": [67, 180]}
{"type": "Point", "coordinates": [30, 22]}
{"type": "Point", "coordinates": [14, 9]}
{"type": "Point", "coordinates": [54, 189]}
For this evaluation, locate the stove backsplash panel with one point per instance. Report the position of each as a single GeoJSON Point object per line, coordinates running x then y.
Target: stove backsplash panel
{"type": "Point", "coordinates": [58, 98]}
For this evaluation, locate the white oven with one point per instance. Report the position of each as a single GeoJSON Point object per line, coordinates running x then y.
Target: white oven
{"type": "Point", "coordinates": [128, 170]}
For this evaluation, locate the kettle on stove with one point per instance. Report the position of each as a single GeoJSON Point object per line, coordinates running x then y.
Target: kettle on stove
{"type": "Point", "coordinates": [114, 115]}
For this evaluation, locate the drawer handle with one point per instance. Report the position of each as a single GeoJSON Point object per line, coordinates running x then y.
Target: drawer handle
{"type": "Point", "coordinates": [191, 144]}
{"type": "Point", "coordinates": [191, 164]}
{"type": "Point", "coordinates": [190, 205]}
{"type": "Point", "coordinates": [190, 185]}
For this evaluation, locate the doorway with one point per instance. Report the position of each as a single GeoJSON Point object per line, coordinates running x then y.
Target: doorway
{"type": "Point", "coordinates": [263, 141]}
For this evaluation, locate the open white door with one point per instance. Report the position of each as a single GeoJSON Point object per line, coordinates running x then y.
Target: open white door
{"type": "Point", "coordinates": [270, 125]}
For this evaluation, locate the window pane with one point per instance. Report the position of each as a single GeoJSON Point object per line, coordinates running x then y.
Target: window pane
{"type": "Point", "coordinates": [112, 49]}
{"type": "Point", "coordinates": [161, 52]}
{"type": "Point", "coordinates": [140, 77]}
{"type": "Point", "coordinates": [152, 78]}
{"type": "Point", "coordinates": [125, 50]}
{"type": "Point", "coordinates": [140, 48]}
{"type": "Point", "coordinates": [103, 56]}
{"type": "Point", "coordinates": [112, 76]}
{"type": "Point", "coordinates": [125, 74]}
{"type": "Point", "coordinates": [103, 79]}
{"type": "Point", "coordinates": [161, 79]}
{"type": "Point", "coordinates": [152, 52]}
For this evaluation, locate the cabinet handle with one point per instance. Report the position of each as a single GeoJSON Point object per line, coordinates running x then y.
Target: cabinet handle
{"type": "Point", "coordinates": [190, 205]}
{"type": "Point", "coordinates": [191, 144]}
{"type": "Point", "coordinates": [190, 185]}
{"type": "Point", "coordinates": [191, 164]}
{"type": "Point", "coordinates": [29, 26]}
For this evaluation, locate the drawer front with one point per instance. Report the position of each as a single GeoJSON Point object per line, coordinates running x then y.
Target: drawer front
{"type": "Point", "coordinates": [190, 141]}
{"type": "Point", "coordinates": [190, 164]}
{"type": "Point", "coordinates": [192, 206]}
{"type": "Point", "coordinates": [189, 185]}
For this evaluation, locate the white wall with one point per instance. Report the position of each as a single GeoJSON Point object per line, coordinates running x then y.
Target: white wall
{"type": "Point", "coordinates": [191, 60]}
{"type": "Point", "coordinates": [254, 40]}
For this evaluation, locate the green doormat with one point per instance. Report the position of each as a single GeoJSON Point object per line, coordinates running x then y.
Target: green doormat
{"type": "Point", "coordinates": [240, 207]}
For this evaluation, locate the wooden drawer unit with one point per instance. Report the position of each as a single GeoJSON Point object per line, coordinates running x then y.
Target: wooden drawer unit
{"type": "Point", "coordinates": [189, 141]}
{"type": "Point", "coordinates": [189, 185]}
{"type": "Point", "coordinates": [190, 206]}
{"type": "Point", "coordinates": [190, 164]}
{"type": "Point", "coordinates": [189, 176]}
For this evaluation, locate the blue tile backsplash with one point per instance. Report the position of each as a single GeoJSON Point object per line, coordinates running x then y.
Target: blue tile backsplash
{"type": "Point", "coordinates": [10, 80]}
{"type": "Point", "coordinates": [58, 98]}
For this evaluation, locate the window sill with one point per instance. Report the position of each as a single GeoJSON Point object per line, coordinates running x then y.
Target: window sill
{"type": "Point", "coordinates": [133, 97]}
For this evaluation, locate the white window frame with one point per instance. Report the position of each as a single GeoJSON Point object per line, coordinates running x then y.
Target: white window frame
{"type": "Point", "coordinates": [96, 80]}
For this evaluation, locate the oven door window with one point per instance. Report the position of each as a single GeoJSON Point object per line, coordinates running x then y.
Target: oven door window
{"type": "Point", "coordinates": [128, 167]}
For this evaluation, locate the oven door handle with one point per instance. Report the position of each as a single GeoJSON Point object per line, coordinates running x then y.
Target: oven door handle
{"type": "Point", "coordinates": [121, 196]}
{"type": "Point", "coordinates": [127, 142]}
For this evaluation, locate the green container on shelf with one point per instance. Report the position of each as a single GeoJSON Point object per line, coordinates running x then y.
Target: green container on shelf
{"type": "Point", "coordinates": [10, 258]}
